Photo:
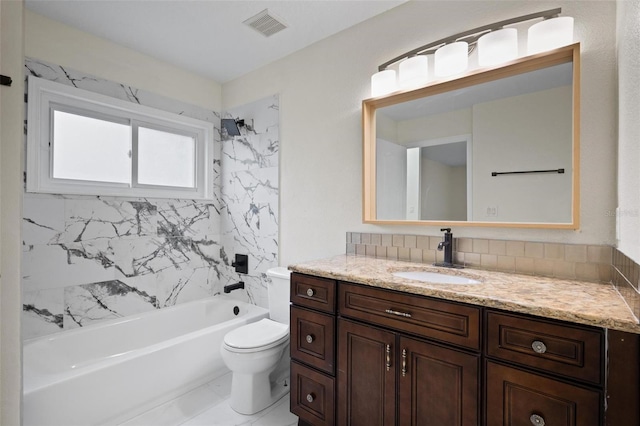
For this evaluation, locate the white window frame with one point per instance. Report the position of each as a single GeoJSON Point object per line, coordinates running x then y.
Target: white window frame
{"type": "Point", "coordinates": [44, 95]}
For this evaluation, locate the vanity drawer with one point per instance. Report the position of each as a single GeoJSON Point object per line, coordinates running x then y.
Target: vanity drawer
{"type": "Point", "coordinates": [434, 319]}
{"type": "Point", "coordinates": [312, 396]}
{"type": "Point", "coordinates": [313, 292]}
{"type": "Point", "coordinates": [516, 397]}
{"type": "Point", "coordinates": [313, 338]}
{"type": "Point", "coordinates": [559, 348]}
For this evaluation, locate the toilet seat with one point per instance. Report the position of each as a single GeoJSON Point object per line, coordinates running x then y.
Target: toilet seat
{"type": "Point", "coordinates": [257, 336]}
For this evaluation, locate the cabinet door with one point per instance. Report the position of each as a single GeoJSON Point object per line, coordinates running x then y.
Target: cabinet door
{"type": "Point", "coordinates": [519, 398]}
{"type": "Point", "coordinates": [437, 386]}
{"type": "Point", "coordinates": [366, 375]}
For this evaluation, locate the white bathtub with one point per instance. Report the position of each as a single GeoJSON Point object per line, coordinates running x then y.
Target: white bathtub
{"type": "Point", "coordinates": [112, 371]}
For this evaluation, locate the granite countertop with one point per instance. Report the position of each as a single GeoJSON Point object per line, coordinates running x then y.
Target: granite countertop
{"type": "Point", "coordinates": [575, 301]}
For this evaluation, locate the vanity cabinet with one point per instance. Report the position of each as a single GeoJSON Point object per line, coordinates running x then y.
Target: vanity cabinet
{"type": "Point", "coordinates": [364, 355]}
{"type": "Point", "coordinates": [313, 342]}
{"type": "Point", "coordinates": [398, 375]}
{"type": "Point", "coordinates": [435, 385]}
{"type": "Point", "coordinates": [542, 372]}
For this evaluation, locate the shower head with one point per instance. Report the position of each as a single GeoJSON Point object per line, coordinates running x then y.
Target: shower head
{"type": "Point", "coordinates": [232, 126]}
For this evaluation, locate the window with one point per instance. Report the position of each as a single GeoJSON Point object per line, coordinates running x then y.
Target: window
{"type": "Point", "coordinates": [81, 142]}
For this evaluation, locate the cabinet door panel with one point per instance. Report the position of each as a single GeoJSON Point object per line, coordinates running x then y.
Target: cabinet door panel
{"type": "Point", "coordinates": [313, 338]}
{"type": "Point", "coordinates": [518, 398]}
{"type": "Point", "coordinates": [438, 386]}
{"type": "Point", "coordinates": [366, 375]}
{"type": "Point", "coordinates": [312, 395]}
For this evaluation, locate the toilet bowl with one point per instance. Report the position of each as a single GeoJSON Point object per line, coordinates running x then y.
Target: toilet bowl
{"type": "Point", "coordinates": [257, 353]}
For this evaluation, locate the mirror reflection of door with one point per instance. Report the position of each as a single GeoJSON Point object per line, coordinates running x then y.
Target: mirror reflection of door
{"type": "Point", "coordinates": [426, 180]}
{"type": "Point", "coordinates": [445, 181]}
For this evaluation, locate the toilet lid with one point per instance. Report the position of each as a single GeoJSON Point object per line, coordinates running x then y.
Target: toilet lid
{"type": "Point", "coordinates": [256, 334]}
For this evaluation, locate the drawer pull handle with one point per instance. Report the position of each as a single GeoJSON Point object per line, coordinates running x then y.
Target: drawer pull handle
{"type": "Point", "coordinates": [398, 313]}
{"type": "Point", "coordinates": [310, 292]}
{"type": "Point", "coordinates": [311, 397]}
{"type": "Point", "coordinates": [404, 362]}
{"type": "Point", "coordinates": [310, 338]}
{"type": "Point", "coordinates": [388, 357]}
{"type": "Point", "coordinates": [539, 348]}
{"type": "Point", "coordinates": [537, 420]}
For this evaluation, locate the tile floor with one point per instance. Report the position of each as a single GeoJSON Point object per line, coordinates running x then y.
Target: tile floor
{"type": "Point", "coordinates": [208, 405]}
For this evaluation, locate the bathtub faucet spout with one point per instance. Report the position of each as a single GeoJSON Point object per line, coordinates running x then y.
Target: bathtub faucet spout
{"type": "Point", "coordinates": [230, 287]}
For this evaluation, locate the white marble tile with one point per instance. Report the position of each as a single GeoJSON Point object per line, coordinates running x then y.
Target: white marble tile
{"type": "Point", "coordinates": [88, 219]}
{"type": "Point", "coordinates": [279, 415]}
{"type": "Point", "coordinates": [42, 219]}
{"type": "Point", "coordinates": [179, 285]}
{"type": "Point", "coordinates": [91, 303]}
{"type": "Point", "coordinates": [175, 412]}
{"type": "Point", "coordinates": [43, 312]}
{"type": "Point", "coordinates": [221, 415]}
{"type": "Point", "coordinates": [222, 385]}
{"type": "Point", "coordinates": [59, 266]}
{"type": "Point", "coordinates": [187, 218]}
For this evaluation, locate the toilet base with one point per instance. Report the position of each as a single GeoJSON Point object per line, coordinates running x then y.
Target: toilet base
{"type": "Point", "coordinates": [263, 393]}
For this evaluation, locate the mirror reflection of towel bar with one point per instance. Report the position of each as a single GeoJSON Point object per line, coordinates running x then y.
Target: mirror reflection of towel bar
{"type": "Point", "coordinates": [527, 172]}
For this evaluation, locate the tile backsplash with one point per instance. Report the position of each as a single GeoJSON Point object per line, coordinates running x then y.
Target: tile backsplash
{"type": "Point", "coordinates": [626, 277]}
{"type": "Point", "coordinates": [571, 261]}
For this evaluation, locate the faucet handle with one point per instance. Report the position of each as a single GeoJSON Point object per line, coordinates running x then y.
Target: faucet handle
{"type": "Point", "coordinates": [448, 230]}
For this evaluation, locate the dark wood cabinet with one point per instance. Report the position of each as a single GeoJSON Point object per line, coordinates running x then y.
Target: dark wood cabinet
{"type": "Point", "coordinates": [366, 375]}
{"type": "Point", "coordinates": [437, 385]}
{"type": "Point", "coordinates": [517, 397]}
{"type": "Point", "coordinates": [369, 356]}
{"type": "Point", "coordinates": [313, 346]}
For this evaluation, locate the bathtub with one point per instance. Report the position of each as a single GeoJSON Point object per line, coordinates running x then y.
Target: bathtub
{"type": "Point", "coordinates": [112, 371]}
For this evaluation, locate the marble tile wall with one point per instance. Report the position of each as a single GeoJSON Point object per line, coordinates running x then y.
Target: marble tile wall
{"type": "Point", "coordinates": [88, 259]}
{"type": "Point", "coordinates": [573, 261]}
{"type": "Point", "coordinates": [249, 223]}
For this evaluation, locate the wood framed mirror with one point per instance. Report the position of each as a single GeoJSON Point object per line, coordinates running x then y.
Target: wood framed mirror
{"type": "Point", "coordinates": [496, 147]}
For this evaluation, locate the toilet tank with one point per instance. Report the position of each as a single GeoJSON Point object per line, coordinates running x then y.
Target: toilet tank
{"type": "Point", "coordinates": [278, 292]}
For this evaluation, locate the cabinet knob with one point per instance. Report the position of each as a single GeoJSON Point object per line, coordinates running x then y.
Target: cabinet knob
{"type": "Point", "coordinates": [310, 338]}
{"type": "Point", "coordinates": [311, 397]}
{"type": "Point", "coordinates": [539, 348]}
{"type": "Point", "coordinates": [310, 292]}
{"type": "Point", "coordinates": [537, 420]}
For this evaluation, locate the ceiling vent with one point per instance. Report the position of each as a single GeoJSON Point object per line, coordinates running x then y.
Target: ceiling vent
{"type": "Point", "coordinates": [265, 23]}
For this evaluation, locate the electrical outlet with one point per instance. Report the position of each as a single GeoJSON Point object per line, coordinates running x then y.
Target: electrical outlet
{"type": "Point", "coordinates": [492, 211]}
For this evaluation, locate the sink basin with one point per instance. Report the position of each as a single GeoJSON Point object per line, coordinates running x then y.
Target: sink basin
{"type": "Point", "coordinates": [435, 277]}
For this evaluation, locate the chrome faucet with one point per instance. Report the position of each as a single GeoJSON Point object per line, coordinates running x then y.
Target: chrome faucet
{"type": "Point", "coordinates": [447, 245]}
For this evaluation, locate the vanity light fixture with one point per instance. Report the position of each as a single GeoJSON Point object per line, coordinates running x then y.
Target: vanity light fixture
{"type": "Point", "coordinates": [451, 59]}
{"type": "Point", "coordinates": [383, 82]}
{"type": "Point", "coordinates": [550, 34]}
{"type": "Point", "coordinates": [498, 47]}
{"type": "Point", "coordinates": [496, 44]}
{"type": "Point", "coordinates": [414, 72]}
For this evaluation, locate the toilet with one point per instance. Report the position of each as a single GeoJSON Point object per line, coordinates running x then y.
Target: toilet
{"type": "Point", "coordinates": [258, 353]}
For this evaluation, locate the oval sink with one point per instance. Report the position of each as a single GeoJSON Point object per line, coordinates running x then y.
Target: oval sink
{"type": "Point", "coordinates": [435, 277]}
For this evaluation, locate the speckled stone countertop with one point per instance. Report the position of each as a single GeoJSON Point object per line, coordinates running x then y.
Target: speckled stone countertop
{"type": "Point", "coordinates": [580, 302]}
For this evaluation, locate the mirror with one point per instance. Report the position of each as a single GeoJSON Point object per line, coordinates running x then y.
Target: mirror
{"type": "Point", "coordinates": [496, 147]}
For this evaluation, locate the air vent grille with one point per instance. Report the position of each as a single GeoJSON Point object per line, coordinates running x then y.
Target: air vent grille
{"type": "Point", "coordinates": [265, 23]}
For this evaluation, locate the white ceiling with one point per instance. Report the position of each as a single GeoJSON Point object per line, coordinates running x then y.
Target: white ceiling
{"type": "Point", "coordinates": [208, 37]}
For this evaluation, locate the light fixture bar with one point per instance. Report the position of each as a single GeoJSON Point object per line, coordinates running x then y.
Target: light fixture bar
{"type": "Point", "coordinates": [551, 13]}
